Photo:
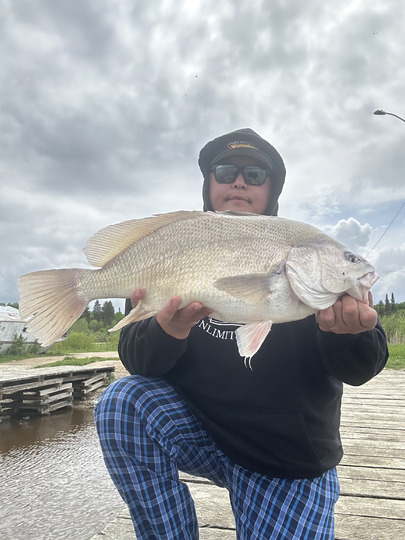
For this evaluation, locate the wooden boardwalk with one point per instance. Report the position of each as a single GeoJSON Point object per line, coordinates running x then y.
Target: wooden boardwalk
{"type": "Point", "coordinates": [372, 472]}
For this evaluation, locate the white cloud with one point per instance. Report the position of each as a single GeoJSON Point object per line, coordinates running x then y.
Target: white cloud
{"type": "Point", "coordinates": [351, 233]}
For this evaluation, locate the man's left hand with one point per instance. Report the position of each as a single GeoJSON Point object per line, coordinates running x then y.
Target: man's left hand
{"type": "Point", "coordinates": [348, 316]}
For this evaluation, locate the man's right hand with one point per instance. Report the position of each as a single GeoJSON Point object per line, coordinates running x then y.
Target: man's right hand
{"type": "Point", "coordinates": [174, 321]}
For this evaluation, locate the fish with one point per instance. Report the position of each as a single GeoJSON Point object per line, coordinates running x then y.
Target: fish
{"type": "Point", "coordinates": [251, 270]}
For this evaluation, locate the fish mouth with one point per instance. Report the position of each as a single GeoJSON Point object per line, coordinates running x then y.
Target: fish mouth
{"type": "Point", "coordinates": [360, 289]}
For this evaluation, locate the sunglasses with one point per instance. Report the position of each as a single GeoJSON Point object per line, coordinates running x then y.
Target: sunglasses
{"type": "Point", "coordinates": [227, 174]}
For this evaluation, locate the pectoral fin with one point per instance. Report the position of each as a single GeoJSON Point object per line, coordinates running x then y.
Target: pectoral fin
{"type": "Point", "coordinates": [138, 313]}
{"type": "Point", "coordinates": [250, 337]}
{"type": "Point", "coordinates": [250, 287]}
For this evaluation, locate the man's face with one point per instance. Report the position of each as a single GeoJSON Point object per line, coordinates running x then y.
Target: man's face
{"type": "Point", "coordinates": [239, 196]}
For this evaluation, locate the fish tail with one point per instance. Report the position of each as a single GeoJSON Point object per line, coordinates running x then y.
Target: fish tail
{"type": "Point", "coordinates": [51, 301]}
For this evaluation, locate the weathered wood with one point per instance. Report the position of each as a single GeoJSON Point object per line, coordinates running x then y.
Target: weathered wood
{"type": "Point", "coordinates": [83, 387]}
{"type": "Point", "coordinates": [369, 487]}
{"type": "Point", "coordinates": [45, 393]}
{"type": "Point", "coordinates": [364, 449]}
{"type": "Point", "coordinates": [21, 386]}
{"type": "Point", "coordinates": [85, 383]}
{"type": "Point", "coordinates": [83, 392]}
{"type": "Point", "coordinates": [361, 460]}
{"type": "Point", "coordinates": [376, 507]}
{"type": "Point", "coordinates": [376, 473]}
{"type": "Point", "coordinates": [356, 527]}
{"type": "Point", "coordinates": [44, 390]}
{"type": "Point", "coordinates": [42, 401]}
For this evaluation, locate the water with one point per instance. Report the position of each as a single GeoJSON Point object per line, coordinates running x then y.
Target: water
{"type": "Point", "coordinates": [53, 481]}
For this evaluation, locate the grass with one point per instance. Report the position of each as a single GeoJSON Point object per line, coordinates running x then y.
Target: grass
{"type": "Point", "coordinates": [397, 356]}
{"type": "Point", "coordinates": [4, 358]}
{"type": "Point", "coordinates": [71, 361]}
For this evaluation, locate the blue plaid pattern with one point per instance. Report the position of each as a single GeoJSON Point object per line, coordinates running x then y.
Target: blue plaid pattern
{"type": "Point", "coordinates": [148, 433]}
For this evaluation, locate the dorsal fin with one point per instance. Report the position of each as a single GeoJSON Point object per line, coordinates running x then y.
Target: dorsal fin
{"type": "Point", "coordinates": [114, 239]}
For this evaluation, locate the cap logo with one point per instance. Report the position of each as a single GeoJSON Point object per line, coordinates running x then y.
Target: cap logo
{"type": "Point", "coordinates": [241, 144]}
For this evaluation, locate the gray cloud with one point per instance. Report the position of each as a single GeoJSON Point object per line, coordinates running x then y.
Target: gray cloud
{"type": "Point", "coordinates": [105, 106]}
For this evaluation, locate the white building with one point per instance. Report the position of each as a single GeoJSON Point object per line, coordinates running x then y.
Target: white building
{"type": "Point", "coordinates": [11, 326]}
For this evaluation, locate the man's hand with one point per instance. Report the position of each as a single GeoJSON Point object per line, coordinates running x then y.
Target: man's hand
{"type": "Point", "coordinates": [177, 323]}
{"type": "Point", "coordinates": [348, 316]}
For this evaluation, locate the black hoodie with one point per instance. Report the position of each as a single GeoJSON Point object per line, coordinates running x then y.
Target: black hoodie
{"type": "Point", "coordinates": [280, 418]}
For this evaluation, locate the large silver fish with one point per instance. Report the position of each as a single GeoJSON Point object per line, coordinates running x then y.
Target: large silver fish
{"type": "Point", "coordinates": [250, 269]}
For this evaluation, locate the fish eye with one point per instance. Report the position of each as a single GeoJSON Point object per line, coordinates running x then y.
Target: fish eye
{"type": "Point", "coordinates": [351, 257]}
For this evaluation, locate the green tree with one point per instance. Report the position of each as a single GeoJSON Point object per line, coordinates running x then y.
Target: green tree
{"type": "Point", "coordinates": [95, 325]}
{"type": "Point", "coordinates": [107, 313]}
{"type": "Point", "coordinates": [81, 325]}
{"type": "Point", "coordinates": [97, 311]}
{"type": "Point", "coordinates": [387, 305]}
{"type": "Point", "coordinates": [86, 314]}
{"type": "Point", "coordinates": [18, 346]}
{"type": "Point", "coordinates": [393, 309]}
{"type": "Point", "coordinates": [118, 317]}
{"type": "Point", "coordinates": [380, 308]}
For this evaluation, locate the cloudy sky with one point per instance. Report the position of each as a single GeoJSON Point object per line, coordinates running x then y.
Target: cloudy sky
{"type": "Point", "coordinates": [105, 105]}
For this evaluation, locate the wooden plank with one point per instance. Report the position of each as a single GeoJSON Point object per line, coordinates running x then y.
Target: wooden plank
{"type": "Point", "coordinates": [380, 417]}
{"type": "Point", "coordinates": [371, 507]}
{"type": "Point", "coordinates": [368, 528]}
{"type": "Point", "coordinates": [372, 433]}
{"type": "Point", "coordinates": [394, 462]}
{"type": "Point", "coordinates": [368, 442]}
{"type": "Point", "coordinates": [60, 395]}
{"type": "Point", "coordinates": [43, 392]}
{"type": "Point", "coordinates": [374, 397]}
{"type": "Point", "coordinates": [22, 386]}
{"type": "Point", "coordinates": [45, 404]}
{"type": "Point", "coordinates": [376, 473]}
{"type": "Point", "coordinates": [356, 448]}
{"type": "Point", "coordinates": [82, 392]}
{"type": "Point", "coordinates": [372, 488]}
{"type": "Point", "coordinates": [56, 406]}
{"type": "Point", "coordinates": [85, 374]}
{"type": "Point", "coordinates": [92, 380]}
{"type": "Point", "coordinates": [212, 506]}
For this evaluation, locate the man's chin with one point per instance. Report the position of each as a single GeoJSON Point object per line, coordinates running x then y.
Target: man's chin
{"type": "Point", "coordinates": [237, 205]}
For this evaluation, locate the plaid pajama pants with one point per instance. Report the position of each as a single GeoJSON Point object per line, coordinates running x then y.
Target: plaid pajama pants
{"type": "Point", "coordinates": [148, 433]}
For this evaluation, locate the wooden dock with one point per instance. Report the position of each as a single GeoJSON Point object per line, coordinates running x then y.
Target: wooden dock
{"type": "Point", "coordinates": [372, 472]}
{"type": "Point", "coordinates": [47, 389]}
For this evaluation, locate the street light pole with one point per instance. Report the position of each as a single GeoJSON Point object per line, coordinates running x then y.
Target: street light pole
{"type": "Point", "coordinates": [381, 112]}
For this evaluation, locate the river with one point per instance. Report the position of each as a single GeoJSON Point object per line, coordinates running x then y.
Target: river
{"type": "Point", "coordinates": [53, 482]}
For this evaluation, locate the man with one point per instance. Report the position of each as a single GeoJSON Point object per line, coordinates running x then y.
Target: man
{"type": "Point", "coordinates": [270, 435]}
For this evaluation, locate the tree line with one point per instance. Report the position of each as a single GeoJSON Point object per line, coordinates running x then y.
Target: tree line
{"type": "Point", "coordinates": [389, 306]}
